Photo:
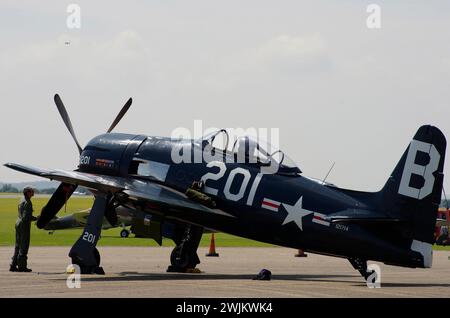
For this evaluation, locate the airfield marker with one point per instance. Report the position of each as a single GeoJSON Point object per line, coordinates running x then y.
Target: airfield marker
{"type": "Point", "coordinates": [301, 253]}
{"type": "Point", "coordinates": [212, 247]}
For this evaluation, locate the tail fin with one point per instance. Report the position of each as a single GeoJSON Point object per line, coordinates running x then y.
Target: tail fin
{"type": "Point", "coordinates": [413, 191]}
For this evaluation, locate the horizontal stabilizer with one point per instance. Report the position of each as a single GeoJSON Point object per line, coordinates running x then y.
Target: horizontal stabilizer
{"type": "Point", "coordinates": [360, 216]}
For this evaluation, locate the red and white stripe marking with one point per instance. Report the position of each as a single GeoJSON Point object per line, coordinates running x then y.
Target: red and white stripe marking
{"type": "Point", "coordinates": [270, 205]}
{"type": "Point", "coordinates": [320, 219]}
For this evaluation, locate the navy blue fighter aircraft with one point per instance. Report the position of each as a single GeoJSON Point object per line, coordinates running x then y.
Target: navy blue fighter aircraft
{"type": "Point", "coordinates": [189, 185]}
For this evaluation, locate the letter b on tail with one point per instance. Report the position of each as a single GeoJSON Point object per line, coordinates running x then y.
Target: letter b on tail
{"type": "Point", "coordinates": [425, 171]}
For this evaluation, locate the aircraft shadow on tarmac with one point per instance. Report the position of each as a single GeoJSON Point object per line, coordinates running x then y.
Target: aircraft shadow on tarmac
{"type": "Point", "coordinates": [408, 285]}
{"type": "Point", "coordinates": [135, 276]}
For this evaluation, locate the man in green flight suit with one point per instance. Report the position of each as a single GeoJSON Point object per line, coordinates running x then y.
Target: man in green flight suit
{"type": "Point", "coordinates": [23, 226]}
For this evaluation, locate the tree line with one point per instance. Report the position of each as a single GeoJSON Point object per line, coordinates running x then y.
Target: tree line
{"type": "Point", "coordinates": [9, 188]}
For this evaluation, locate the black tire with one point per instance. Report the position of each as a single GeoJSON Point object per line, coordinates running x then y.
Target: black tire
{"type": "Point", "coordinates": [124, 233]}
{"type": "Point", "coordinates": [88, 269]}
{"type": "Point", "coordinates": [178, 260]}
{"type": "Point", "coordinates": [97, 256]}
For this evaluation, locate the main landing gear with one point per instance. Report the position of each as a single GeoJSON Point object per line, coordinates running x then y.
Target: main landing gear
{"type": "Point", "coordinates": [184, 256]}
{"type": "Point", "coordinates": [84, 252]}
{"type": "Point", "coordinates": [90, 269]}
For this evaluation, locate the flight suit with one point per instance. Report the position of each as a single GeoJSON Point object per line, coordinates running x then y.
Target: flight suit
{"type": "Point", "coordinates": [23, 227]}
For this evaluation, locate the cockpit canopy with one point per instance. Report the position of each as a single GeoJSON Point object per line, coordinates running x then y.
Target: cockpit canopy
{"type": "Point", "coordinates": [248, 150]}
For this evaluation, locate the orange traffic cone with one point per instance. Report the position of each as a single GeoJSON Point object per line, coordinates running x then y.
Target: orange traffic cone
{"type": "Point", "coordinates": [212, 247]}
{"type": "Point", "coordinates": [301, 253]}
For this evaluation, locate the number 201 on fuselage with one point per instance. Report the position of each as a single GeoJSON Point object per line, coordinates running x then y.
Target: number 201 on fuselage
{"type": "Point", "coordinates": [219, 182]}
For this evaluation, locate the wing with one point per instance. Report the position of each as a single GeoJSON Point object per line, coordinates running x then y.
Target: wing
{"type": "Point", "coordinates": [130, 189]}
{"type": "Point", "coordinates": [97, 182]}
{"type": "Point", "coordinates": [159, 194]}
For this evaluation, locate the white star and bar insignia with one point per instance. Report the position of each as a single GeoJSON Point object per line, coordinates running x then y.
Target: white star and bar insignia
{"type": "Point", "coordinates": [296, 213]}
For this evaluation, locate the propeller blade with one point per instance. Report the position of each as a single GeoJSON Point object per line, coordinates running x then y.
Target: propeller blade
{"type": "Point", "coordinates": [56, 202]}
{"type": "Point", "coordinates": [65, 117]}
{"type": "Point", "coordinates": [120, 114]}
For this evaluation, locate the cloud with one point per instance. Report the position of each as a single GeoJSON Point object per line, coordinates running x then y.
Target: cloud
{"type": "Point", "coordinates": [70, 59]}
{"type": "Point", "coordinates": [283, 57]}
{"type": "Point", "coordinates": [289, 52]}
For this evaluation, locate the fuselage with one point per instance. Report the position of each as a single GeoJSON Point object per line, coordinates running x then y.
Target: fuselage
{"type": "Point", "coordinates": [282, 208]}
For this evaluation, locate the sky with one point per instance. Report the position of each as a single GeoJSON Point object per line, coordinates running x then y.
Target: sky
{"type": "Point", "coordinates": [337, 90]}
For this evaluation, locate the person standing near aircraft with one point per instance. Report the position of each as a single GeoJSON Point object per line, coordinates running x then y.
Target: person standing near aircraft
{"type": "Point", "coordinates": [23, 227]}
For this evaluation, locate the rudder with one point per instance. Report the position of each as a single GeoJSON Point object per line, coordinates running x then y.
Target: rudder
{"type": "Point", "coordinates": [413, 191]}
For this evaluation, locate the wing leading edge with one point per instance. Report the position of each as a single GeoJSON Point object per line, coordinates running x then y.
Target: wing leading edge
{"type": "Point", "coordinates": [134, 189]}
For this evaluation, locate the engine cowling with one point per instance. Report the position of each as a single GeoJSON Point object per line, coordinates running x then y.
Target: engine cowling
{"type": "Point", "coordinates": [110, 154]}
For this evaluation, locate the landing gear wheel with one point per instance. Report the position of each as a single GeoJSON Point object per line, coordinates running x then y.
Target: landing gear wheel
{"type": "Point", "coordinates": [124, 233]}
{"type": "Point", "coordinates": [97, 257]}
{"type": "Point", "coordinates": [184, 256]}
{"type": "Point", "coordinates": [179, 260]}
{"type": "Point", "coordinates": [97, 269]}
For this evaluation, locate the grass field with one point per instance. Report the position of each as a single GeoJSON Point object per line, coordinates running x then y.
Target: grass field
{"type": "Point", "coordinates": [110, 237]}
